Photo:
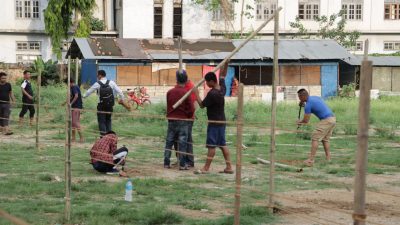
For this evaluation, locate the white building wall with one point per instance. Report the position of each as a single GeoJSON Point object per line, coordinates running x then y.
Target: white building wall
{"type": "Point", "coordinates": [138, 19]}
{"type": "Point", "coordinates": [168, 19]}
{"type": "Point", "coordinates": [196, 21]}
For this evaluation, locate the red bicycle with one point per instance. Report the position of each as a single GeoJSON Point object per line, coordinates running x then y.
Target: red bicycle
{"type": "Point", "coordinates": [138, 97]}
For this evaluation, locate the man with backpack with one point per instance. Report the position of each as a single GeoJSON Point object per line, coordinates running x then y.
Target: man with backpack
{"type": "Point", "coordinates": [105, 90]}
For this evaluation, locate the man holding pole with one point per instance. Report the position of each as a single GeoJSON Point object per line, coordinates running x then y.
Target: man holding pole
{"type": "Point", "coordinates": [324, 128]}
{"type": "Point", "coordinates": [215, 104]}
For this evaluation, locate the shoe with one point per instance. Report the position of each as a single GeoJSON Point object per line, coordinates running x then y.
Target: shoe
{"type": "Point", "coordinates": [167, 167]}
{"type": "Point", "coordinates": [183, 168]}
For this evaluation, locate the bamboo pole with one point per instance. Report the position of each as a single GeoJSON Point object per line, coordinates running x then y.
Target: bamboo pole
{"type": "Point", "coordinates": [11, 218]}
{"type": "Point", "coordinates": [39, 84]}
{"type": "Point", "coordinates": [67, 210]}
{"type": "Point", "coordinates": [76, 70]}
{"type": "Point", "coordinates": [273, 115]}
{"type": "Point", "coordinates": [227, 58]}
{"type": "Point", "coordinates": [180, 54]}
{"type": "Point", "coordinates": [359, 214]}
{"type": "Point", "coordinates": [239, 148]}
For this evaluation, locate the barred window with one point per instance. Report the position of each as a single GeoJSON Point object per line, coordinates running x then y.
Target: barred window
{"type": "Point", "coordinates": [29, 9]}
{"type": "Point", "coordinates": [26, 58]}
{"type": "Point", "coordinates": [391, 46]}
{"type": "Point", "coordinates": [28, 46]}
{"type": "Point", "coordinates": [392, 11]}
{"type": "Point", "coordinates": [265, 9]}
{"type": "Point", "coordinates": [352, 9]}
{"type": "Point", "coordinates": [308, 10]}
{"type": "Point", "coordinates": [359, 46]}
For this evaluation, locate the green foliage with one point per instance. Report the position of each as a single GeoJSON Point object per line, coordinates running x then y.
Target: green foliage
{"type": "Point", "coordinates": [391, 54]}
{"type": "Point", "coordinates": [58, 20]}
{"type": "Point", "coordinates": [329, 28]}
{"type": "Point", "coordinates": [48, 71]}
{"type": "Point", "coordinates": [96, 24]}
{"type": "Point", "coordinates": [348, 91]}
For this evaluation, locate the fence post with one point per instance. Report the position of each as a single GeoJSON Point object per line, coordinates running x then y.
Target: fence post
{"type": "Point", "coordinates": [39, 84]}
{"type": "Point", "coordinates": [67, 210]}
{"type": "Point", "coordinates": [76, 70]}
{"type": "Point", "coordinates": [273, 114]}
{"type": "Point", "coordinates": [239, 144]}
{"type": "Point", "coordinates": [359, 214]}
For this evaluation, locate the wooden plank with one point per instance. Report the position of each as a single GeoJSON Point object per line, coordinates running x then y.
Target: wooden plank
{"type": "Point", "coordinates": [310, 75]}
{"type": "Point", "coordinates": [145, 75]}
{"type": "Point", "coordinates": [290, 75]}
{"type": "Point", "coordinates": [127, 75]}
{"type": "Point", "coordinates": [194, 73]}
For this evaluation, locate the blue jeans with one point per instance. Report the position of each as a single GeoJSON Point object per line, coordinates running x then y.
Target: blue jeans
{"type": "Point", "coordinates": [177, 129]}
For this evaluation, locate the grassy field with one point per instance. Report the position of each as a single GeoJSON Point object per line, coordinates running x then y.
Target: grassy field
{"type": "Point", "coordinates": [32, 182]}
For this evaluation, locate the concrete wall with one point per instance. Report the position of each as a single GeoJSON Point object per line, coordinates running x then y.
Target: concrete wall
{"type": "Point", "coordinates": [195, 21]}
{"type": "Point", "coordinates": [138, 19]}
{"type": "Point", "coordinates": [386, 78]}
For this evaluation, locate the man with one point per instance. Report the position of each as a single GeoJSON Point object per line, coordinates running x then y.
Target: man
{"type": "Point", "coordinates": [215, 104]}
{"type": "Point", "coordinates": [178, 122]}
{"type": "Point", "coordinates": [27, 99]}
{"type": "Point", "coordinates": [105, 157]}
{"type": "Point", "coordinates": [6, 98]}
{"type": "Point", "coordinates": [76, 107]}
{"type": "Point", "coordinates": [188, 86]}
{"type": "Point", "coordinates": [106, 90]}
{"type": "Point", "coordinates": [324, 128]}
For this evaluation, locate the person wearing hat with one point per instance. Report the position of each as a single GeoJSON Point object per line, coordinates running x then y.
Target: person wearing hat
{"type": "Point", "coordinates": [178, 122]}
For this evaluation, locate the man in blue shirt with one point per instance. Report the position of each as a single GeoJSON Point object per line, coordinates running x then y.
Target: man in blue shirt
{"type": "Point", "coordinates": [324, 128]}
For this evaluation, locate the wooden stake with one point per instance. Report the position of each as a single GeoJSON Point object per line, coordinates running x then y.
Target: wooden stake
{"type": "Point", "coordinates": [68, 148]}
{"type": "Point", "coordinates": [39, 84]}
{"type": "Point", "coordinates": [76, 70]}
{"type": "Point", "coordinates": [359, 214]}
{"type": "Point", "coordinates": [12, 219]}
{"type": "Point", "coordinates": [273, 115]}
{"type": "Point", "coordinates": [227, 58]}
{"type": "Point", "coordinates": [239, 148]}
{"type": "Point", "coordinates": [180, 54]}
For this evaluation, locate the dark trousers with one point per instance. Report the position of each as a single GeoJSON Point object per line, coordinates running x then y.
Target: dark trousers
{"type": "Point", "coordinates": [190, 158]}
{"type": "Point", "coordinates": [25, 109]}
{"type": "Point", "coordinates": [4, 115]}
{"type": "Point", "coordinates": [177, 131]}
{"type": "Point", "coordinates": [104, 119]}
{"type": "Point", "coordinates": [105, 167]}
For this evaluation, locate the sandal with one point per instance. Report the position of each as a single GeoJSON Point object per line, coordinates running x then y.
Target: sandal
{"type": "Point", "coordinates": [227, 171]}
{"type": "Point", "coordinates": [200, 172]}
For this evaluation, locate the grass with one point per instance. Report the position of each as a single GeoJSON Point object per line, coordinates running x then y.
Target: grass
{"type": "Point", "coordinates": [35, 178]}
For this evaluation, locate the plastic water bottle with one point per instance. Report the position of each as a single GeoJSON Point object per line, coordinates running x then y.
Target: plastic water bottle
{"type": "Point", "coordinates": [128, 191]}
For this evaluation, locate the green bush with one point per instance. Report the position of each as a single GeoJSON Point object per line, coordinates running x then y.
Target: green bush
{"type": "Point", "coordinates": [348, 91]}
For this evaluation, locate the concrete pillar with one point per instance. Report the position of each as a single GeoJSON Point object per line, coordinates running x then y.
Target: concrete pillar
{"type": "Point", "coordinates": [168, 18]}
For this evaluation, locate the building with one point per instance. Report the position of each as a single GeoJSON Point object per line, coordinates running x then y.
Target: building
{"type": "Point", "coordinates": [377, 20]}
{"type": "Point", "coordinates": [22, 34]}
{"type": "Point", "coordinates": [311, 64]}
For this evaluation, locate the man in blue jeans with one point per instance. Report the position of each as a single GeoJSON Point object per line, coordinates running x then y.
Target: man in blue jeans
{"type": "Point", "coordinates": [178, 123]}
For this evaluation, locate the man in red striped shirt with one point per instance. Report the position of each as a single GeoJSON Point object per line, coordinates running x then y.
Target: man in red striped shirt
{"type": "Point", "coordinates": [105, 156]}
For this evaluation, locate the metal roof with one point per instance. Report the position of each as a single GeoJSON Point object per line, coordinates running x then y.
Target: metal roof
{"type": "Point", "coordinates": [207, 49]}
{"type": "Point", "coordinates": [392, 61]}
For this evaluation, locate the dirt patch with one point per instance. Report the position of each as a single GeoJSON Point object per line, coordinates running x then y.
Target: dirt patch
{"type": "Point", "coordinates": [195, 214]}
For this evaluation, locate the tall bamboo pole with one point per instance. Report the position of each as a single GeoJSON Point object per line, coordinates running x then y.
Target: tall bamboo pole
{"type": "Point", "coordinates": [227, 58]}
{"type": "Point", "coordinates": [273, 114]}
{"type": "Point", "coordinates": [180, 54]}
{"type": "Point", "coordinates": [39, 84]}
{"type": "Point", "coordinates": [67, 210]}
{"type": "Point", "coordinates": [76, 70]}
{"type": "Point", "coordinates": [359, 214]}
{"type": "Point", "coordinates": [239, 144]}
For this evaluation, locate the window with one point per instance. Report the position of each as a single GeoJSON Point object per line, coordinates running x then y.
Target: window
{"type": "Point", "coordinates": [27, 58]}
{"type": "Point", "coordinates": [177, 27]}
{"type": "Point", "coordinates": [359, 46]}
{"type": "Point", "coordinates": [391, 45]}
{"type": "Point", "coordinates": [308, 9]}
{"type": "Point", "coordinates": [158, 21]}
{"type": "Point", "coordinates": [27, 9]}
{"type": "Point", "coordinates": [28, 46]}
{"type": "Point", "coordinates": [392, 9]}
{"type": "Point", "coordinates": [218, 14]}
{"type": "Point", "coordinates": [352, 9]}
{"type": "Point", "coordinates": [265, 9]}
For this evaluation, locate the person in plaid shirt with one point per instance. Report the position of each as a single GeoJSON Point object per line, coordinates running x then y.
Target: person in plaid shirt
{"type": "Point", "coordinates": [105, 155]}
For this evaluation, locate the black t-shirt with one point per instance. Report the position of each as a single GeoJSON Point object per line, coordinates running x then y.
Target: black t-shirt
{"type": "Point", "coordinates": [215, 104]}
{"type": "Point", "coordinates": [28, 88]}
{"type": "Point", "coordinates": [78, 103]}
{"type": "Point", "coordinates": [5, 90]}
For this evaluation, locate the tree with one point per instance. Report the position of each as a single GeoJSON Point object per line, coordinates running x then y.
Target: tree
{"type": "Point", "coordinates": [48, 71]}
{"type": "Point", "coordinates": [329, 28]}
{"type": "Point", "coordinates": [59, 22]}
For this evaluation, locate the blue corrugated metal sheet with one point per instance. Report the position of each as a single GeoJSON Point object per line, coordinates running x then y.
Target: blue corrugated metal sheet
{"type": "Point", "coordinates": [89, 71]}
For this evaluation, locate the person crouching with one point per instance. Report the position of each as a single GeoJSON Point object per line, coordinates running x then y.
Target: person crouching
{"type": "Point", "coordinates": [105, 157]}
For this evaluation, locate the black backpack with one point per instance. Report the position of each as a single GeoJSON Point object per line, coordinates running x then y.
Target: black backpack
{"type": "Point", "coordinates": [106, 94]}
